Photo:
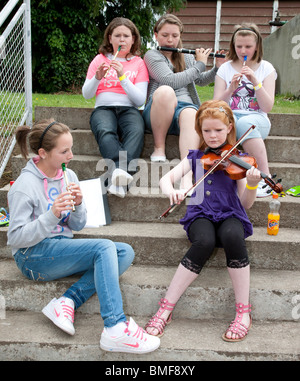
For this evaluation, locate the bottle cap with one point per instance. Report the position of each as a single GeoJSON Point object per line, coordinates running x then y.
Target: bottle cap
{"type": "Point", "coordinates": [275, 195]}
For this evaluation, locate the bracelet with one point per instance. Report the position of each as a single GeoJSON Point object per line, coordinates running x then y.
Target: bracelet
{"type": "Point", "coordinates": [259, 86]}
{"type": "Point", "coordinates": [251, 188]}
{"type": "Point", "coordinates": [123, 77]}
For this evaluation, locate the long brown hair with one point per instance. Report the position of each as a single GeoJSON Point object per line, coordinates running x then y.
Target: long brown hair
{"type": "Point", "coordinates": [215, 109]}
{"type": "Point", "coordinates": [246, 29]}
{"type": "Point", "coordinates": [35, 133]}
{"type": "Point", "coordinates": [106, 47]}
{"type": "Point", "coordinates": [177, 58]}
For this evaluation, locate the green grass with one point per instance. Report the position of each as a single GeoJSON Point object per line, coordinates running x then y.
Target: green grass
{"type": "Point", "coordinates": [283, 103]}
{"type": "Point", "coordinates": [61, 100]}
{"type": "Point", "coordinates": [286, 104]}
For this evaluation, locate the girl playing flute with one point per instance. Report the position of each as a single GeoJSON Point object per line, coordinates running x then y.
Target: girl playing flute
{"type": "Point", "coordinates": [254, 97]}
{"type": "Point", "coordinates": [41, 238]}
{"type": "Point", "coordinates": [172, 100]}
{"type": "Point", "coordinates": [119, 80]}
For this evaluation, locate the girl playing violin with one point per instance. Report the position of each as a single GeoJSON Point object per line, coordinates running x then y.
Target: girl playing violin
{"type": "Point", "coordinates": [215, 217]}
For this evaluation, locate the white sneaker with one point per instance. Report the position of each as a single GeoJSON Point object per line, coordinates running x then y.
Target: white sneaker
{"type": "Point", "coordinates": [120, 177]}
{"type": "Point", "coordinates": [134, 340]}
{"type": "Point", "coordinates": [158, 159]}
{"type": "Point", "coordinates": [263, 189]}
{"type": "Point", "coordinates": [117, 191]}
{"type": "Point", "coordinates": [61, 313]}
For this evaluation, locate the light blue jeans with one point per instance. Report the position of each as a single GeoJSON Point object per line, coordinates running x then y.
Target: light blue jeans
{"type": "Point", "coordinates": [244, 121]}
{"type": "Point", "coordinates": [100, 260]}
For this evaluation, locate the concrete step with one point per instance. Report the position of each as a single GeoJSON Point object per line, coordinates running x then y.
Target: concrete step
{"type": "Point", "coordinates": [272, 292]}
{"type": "Point", "coordinates": [144, 207]}
{"type": "Point", "coordinates": [284, 149]}
{"type": "Point", "coordinates": [165, 244]}
{"type": "Point", "coordinates": [78, 118]}
{"type": "Point", "coordinates": [30, 336]}
{"type": "Point", "coordinates": [92, 166]}
{"type": "Point", "coordinates": [147, 204]}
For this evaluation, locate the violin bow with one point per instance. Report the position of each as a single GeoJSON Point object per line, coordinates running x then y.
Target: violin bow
{"type": "Point", "coordinates": [209, 171]}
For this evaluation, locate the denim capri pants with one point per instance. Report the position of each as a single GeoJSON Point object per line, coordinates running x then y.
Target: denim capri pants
{"type": "Point", "coordinates": [244, 121]}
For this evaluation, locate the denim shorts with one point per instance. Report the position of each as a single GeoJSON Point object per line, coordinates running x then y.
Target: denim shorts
{"type": "Point", "coordinates": [174, 128]}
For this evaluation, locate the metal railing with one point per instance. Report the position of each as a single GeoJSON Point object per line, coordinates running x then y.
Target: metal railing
{"type": "Point", "coordinates": [15, 76]}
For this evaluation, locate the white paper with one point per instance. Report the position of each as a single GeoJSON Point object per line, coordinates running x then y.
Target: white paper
{"type": "Point", "coordinates": [92, 195]}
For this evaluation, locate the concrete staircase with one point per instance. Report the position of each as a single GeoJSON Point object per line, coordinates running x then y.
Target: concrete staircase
{"type": "Point", "coordinates": [205, 310]}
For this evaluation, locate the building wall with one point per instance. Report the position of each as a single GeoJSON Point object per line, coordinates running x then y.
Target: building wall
{"type": "Point", "coordinates": [199, 19]}
{"type": "Point", "coordinates": [282, 49]}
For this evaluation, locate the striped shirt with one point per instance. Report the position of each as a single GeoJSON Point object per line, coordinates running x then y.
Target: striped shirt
{"type": "Point", "coordinates": [161, 72]}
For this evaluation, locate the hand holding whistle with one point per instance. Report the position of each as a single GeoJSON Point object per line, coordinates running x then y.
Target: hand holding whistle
{"type": "Point", "coordinates": [67, 183]}
{"type": "Point", "coordinates": [119, 48]}
{"type": "Point", "coordinates": [244, 63]}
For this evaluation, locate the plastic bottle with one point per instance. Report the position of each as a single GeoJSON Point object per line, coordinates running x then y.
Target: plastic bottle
{"type": "Point", "coordinates": [273, 216]}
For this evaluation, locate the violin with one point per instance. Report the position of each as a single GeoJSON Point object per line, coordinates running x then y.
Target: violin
{"type": "Point", "coordinates": [235, 166]}
{"type": "Point", "coordinates": [225, 158]}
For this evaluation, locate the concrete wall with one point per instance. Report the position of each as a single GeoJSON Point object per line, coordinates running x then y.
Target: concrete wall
{"type": "Point", "coordinates": [282, 49]}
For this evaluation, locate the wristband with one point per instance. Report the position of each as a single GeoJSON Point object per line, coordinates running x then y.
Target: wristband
{"type": "Point", "coordinates": [251, 188]}
{"type": "Point", "coordinates": [259, 86]}
{"type": "Point", "coordinates": [123, 77]}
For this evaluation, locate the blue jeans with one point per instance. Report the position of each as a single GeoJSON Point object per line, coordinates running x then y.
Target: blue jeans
{"type": "Point", "coordinates": [100, 260]}
{"type": "Point", "coordinates": [117, 129]}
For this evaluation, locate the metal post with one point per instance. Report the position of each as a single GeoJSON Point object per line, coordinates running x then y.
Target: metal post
{"type": "Point", "coordinates": [218, 26]}
{"type": "Point", "coordinates": [28, 66]}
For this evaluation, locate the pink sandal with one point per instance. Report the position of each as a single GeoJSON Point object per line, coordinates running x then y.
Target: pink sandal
{"type": "Point", "coordinates": [236, 326]}
{"type": "Point", "coordinates": [159, 322]}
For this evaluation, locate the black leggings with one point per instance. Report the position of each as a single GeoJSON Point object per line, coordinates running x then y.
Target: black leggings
{"type": "Point", "coordinates": [205, 235]}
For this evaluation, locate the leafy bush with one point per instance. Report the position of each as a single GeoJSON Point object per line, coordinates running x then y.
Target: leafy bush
{"type": "Point", "coordinates": [66, 35]}
{"type": "Point", "coordinates": [64, 40]}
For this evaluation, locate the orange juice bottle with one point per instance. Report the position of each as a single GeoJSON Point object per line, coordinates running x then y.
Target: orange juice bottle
{"type": "Point", "coordinates": [273, 216]}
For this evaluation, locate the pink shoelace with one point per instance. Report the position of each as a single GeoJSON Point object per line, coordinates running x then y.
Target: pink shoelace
{"type": "Point", "coordinates": [68, 312]}
{"type": "Point", "coordinates": [139, 334]}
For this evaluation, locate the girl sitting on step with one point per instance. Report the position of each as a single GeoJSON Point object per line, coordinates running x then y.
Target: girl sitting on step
{"type": "Point", "coordinates": [215, 217]}
{"type": "Point", "coordinates": [172, 100]}
{"type": "Point", "coordinates": [118, 78]}
{"type": "Point", "coordinates": [247, 83]}
{"type": "Point", "coordinates": [43, 212]}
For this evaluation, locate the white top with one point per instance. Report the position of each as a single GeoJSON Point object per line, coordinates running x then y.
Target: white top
{"type": "Point", "coordinates": [243, 99]}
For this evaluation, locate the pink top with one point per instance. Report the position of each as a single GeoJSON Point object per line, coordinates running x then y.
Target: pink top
{"type": "Point", "coordinates": [134, 69]}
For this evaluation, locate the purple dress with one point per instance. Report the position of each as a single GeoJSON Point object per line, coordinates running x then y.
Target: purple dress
{"type": "Point", "coordinates": [215, 198]}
